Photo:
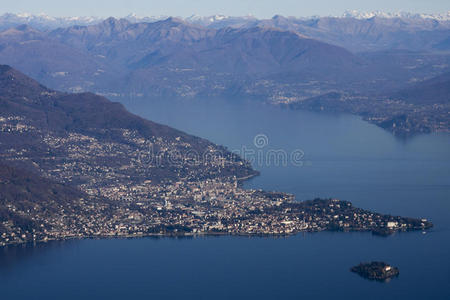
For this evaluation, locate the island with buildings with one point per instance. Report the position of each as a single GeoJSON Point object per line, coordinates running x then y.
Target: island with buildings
{"type": "Point", "coordinates": [379, 271]}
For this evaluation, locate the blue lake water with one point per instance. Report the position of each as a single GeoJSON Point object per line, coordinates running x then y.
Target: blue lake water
{"type": "Point", "coordinates": [344, 157]}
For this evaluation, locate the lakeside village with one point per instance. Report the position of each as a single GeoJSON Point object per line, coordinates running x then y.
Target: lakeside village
{"type": "Point", "coordinates": [125, 197]}
{"type": "Point", "coordinates": [203, 208]}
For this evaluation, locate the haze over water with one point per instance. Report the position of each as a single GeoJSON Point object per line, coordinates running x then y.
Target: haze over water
{"type": "Point", "coordinates": [345, 158]}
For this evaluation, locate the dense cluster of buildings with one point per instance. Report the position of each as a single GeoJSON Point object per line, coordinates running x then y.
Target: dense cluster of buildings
{"type": "Point", "coordinates": [129, 191]}
{"type": "Point", "coordinates": [199, 208]}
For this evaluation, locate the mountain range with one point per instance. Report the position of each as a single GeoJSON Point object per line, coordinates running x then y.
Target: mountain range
{"type": "Point", "coordinates": [354, 30]}
{"type": "Point", "coordinates": [178, 59]}
{"type": "Point", "coordinates": [167, 58]}
{"type": "Point", "coordinates": [280, 60]}
{"type": "Point", "coordinates": [48, 22]}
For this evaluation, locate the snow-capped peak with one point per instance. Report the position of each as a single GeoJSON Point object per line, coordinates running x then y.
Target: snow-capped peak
{"type": "Point", "coordinates": [380, 14]}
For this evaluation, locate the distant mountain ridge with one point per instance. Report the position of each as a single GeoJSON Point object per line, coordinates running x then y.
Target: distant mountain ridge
{"type": "Point", "coordinates": [279, 61]}
{"type": "Point", "coordinates": [43, 22]}
{"type": "Point", "coordinates": [406, 15]}
{"type": "Point", "coordinates": [140, 57]}
{"type": "Point", "coordinates": [175, 58]}
{"type": "Point", "coordinates": [354, 30]}
{"type": "Point", "coordinates": [46, 22]}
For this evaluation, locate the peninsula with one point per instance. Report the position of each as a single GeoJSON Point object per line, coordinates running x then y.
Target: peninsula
{"type": "Point", "coordinates": [78, 166]}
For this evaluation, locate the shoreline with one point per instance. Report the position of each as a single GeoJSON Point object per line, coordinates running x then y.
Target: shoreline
{"type": "Point", "coordinates": [194, 235]}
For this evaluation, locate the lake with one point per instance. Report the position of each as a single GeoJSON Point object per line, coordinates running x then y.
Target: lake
{"type": "Point", "coordinates": [342, 157]}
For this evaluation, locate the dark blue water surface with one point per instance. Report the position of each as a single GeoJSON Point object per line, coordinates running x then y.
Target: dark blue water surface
{"type": "Point", "coordinates": [344, 157]}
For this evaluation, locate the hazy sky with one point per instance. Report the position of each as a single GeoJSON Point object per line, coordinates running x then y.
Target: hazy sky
{"type": "Point", "coordinates": [183, 8]}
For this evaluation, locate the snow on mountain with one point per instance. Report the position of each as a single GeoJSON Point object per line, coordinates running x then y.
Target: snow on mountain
{"type": "Point", "coordinates": [134, 18]}
{"type": "Point", "coordinates": [404, 15]}
{"type": "Point", "coordinates": [44, 22]}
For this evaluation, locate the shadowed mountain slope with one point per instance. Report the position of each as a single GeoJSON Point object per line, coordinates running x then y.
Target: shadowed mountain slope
{"type": "Point", "coordinates": [86, 132]}
{"type": "Point", "coordinates": [434, 90]}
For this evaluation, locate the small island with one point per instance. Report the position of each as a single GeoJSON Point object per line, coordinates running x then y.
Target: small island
{"type": "Point", "coordinates": [379, 271]}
